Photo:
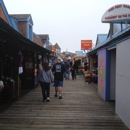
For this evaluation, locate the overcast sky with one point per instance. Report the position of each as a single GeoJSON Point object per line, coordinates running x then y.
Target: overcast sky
{"type": "Point", "coordinates": [66, 21]}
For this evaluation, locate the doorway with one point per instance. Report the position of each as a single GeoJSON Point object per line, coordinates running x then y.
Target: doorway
{"type": "Point", "coordinates": [112, 74]}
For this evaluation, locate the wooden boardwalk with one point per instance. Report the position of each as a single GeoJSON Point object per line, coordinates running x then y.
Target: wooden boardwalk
{"type": "Point", "coordinates": [80, 109]}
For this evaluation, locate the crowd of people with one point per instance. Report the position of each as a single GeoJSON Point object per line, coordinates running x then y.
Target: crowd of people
{"type": "Point", "coordinates": [55, 75]}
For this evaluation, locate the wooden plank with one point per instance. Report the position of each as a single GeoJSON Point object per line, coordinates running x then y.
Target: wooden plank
{"type": "Point", "coordinates": [80, 108]}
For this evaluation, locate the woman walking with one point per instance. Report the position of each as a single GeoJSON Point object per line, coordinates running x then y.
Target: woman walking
{"type": "Point", "coordinates": [45, 77]}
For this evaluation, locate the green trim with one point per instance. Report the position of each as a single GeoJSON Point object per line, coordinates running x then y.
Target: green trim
{"type": "Point", "coordinates": [107, 44]}
{"type": "Point", "coordinates": [25, 41]}
{"type": "Point", "coordinates": [32, 44]}
{"type": "Point", "coordinates": [3, 30]}
{"type": "Point", "coordinates": [114, 41]}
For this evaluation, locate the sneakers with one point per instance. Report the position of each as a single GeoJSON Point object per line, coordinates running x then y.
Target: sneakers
{"type": "Point", "coordinates": [55, 95]}
{"type": "Point", "coordinates": [60, 97]}
{"type": "Point", "coordinates": [44, 100]}
{"type": "Point", "coordinates": [48, 99]}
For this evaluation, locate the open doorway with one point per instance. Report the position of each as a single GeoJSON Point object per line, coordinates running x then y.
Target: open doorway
{"type": "Point", "coordinates": [112, 74]}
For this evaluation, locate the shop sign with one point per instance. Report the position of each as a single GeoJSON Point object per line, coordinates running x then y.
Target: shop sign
{"type": "Point", "coordinates": [117, 14]}
{"type": "Point", "coordinates": [86, 44]}
{"type": "Point", "coordinates": [53, 49]}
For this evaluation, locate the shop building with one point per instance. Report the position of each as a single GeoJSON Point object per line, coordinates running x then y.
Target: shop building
{"type": "Point", "coordinates": [19, 52]}
{"type": "Point", "coordinates": [113, 61]}
{"type": "Point", "coordinates": [45, 40]}
{"type": "Point", "coordinates": [58, 50]}
{"type": "Point", "coordinates": [93, 59]}
{"type": "Point", "coordinates": [52, 56]}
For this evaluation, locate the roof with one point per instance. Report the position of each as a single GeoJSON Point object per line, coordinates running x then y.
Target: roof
{"type": "Point", "coordinates": [11, 34]}
{"type": "Point", "coordinates": [101, 38]}
{"type": "Point", "coordinates": [4, 10]}
{"type": "Point", "coordinates": [43, 36]}
{"type": "Point", "coordinates": [79, 56]}
{"type": "Point", "coordinates": [20, 16]}
{"type": "Point", "coordinates": [57, 46]}
{"type": "Point", "coordinates": [107, 41]}
{"type": "Point", "coordinates": [15, 24]}
{"type": "Point", "coordinates": [66, 52]}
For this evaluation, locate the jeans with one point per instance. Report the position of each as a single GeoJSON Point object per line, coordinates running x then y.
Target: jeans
{"type": "Point", "coordinates": [45, 90]}
{"type": "Point", "coordinates": [73, 74]}
{"type": "Point", "coordinates": [67, 74]}
{"type": "Point", "coordinates": [76, 71]}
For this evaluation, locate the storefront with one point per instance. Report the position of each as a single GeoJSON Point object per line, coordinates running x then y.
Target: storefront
{"type": "Point", "coordinates": [7, 69]}
{"type": "Point", "coordinates": [93, 67]}
{"type": "Point", "coordinates": [113, 63]}
{"type": "Point", "coordinates": [123, 80]}
{"type": "Point", "coordinates": [80, 60]}
{"type": "Point", "coordinates": [18, 57]}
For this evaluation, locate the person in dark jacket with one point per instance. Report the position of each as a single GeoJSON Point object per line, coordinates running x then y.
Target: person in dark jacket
{"type": "Point", "coordinates": [45, 77]}
{"type": "Point", "coordinates": [85, 65]}
{"type": "Point", "coordinates": [58, 71]}
{"type": "Point", "coordinates": [67, 66]}
{"type": "Point", "coordinates": [74, 70]}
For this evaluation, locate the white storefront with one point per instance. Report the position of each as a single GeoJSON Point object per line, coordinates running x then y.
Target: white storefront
{"type": "Point", "coordinates": [123, 81]}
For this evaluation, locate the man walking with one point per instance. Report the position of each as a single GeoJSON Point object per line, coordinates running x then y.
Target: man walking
{"type": "Point", "coordinates": [58, 71]}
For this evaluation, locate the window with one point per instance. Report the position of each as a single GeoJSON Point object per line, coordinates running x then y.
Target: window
{"type": "Point", "coordinates": [30, 32]}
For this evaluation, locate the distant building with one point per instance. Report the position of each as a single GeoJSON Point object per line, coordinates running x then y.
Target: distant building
{"type": "Point", "coordinates": [67, 54]}
{"type": "Point", "coordinates": [58, 49]}
{"type": "Point", "coordinates": [45, 40]}
{"type": "Point", "coordinates": [79, 53]}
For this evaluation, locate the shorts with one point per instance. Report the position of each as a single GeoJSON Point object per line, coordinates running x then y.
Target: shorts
{"type": "Point", "coordinates": [58, 83]}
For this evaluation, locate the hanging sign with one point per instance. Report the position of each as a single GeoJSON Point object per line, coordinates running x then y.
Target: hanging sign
{"type": "Point", "coordinates": [117, 14]}
{"type": "Point", "coordinates": [86, 44]}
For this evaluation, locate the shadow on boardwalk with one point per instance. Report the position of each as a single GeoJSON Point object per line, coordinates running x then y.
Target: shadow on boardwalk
{"type": "Point", "coordinates": [80, 109]}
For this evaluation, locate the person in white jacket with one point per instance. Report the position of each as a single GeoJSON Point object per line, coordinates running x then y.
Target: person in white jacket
{"type": "Point", "coordinates": [45, 77]}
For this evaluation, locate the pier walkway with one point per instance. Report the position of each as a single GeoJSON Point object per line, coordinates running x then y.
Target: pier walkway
{"type": "Point", "coordinates": [80, 109]}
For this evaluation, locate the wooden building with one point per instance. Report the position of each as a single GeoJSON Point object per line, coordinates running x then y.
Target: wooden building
{"type": "Point", "coordinates": [20, 48]}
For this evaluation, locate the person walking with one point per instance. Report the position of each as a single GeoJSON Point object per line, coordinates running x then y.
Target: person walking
{"type": "Point", "coordinates": [74, 70]}
{"type": "Point", "coordinates": [67, 66]}
{"type": "Point", "coordinates": [45, 77]}
{"type": "Point", "coordinates": [58, 71]}
{"type": "Point", "coordinates": [40, 64]}
{"type": "Point", "coordinates": [85, 65]}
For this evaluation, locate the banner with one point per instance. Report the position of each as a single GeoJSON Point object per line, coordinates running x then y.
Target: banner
{"type": "Point", "coordinates": [86, 44]}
